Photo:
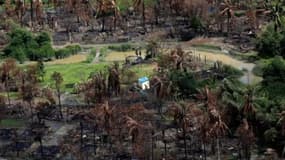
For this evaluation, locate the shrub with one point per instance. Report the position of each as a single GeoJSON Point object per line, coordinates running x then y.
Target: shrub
{"type": "Point", "coordinates": [23, 44]}
{"type": "Point", "coordinates": [67, 51]}
{"type": "Point", "coordinates": [91, 56]}
{"type": "Point", "coordinates": [274, 78]}
{"type": "Point", "coordinates": [269, 43]}
{"type": "Point", "coordinates": [121, 48]}
{"type": "Point", "coordinates": [231, 71]}
{"type": "Point", "coordinates": [184, 83]}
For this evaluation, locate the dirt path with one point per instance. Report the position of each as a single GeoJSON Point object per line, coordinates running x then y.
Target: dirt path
{"type": "Point", "coordinates": [247, 68]}
{"type": "Point", "coordinates": [96, 58]}
{"type": "Point", "coordinates": [57, 131]}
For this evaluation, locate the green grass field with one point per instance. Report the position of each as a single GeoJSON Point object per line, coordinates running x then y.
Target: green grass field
{"type": "Point", "coordinates": [72, 73]}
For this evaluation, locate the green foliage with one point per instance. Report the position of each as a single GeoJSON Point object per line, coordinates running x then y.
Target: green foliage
{"type": "Point", "coordinates": [275, 71]}
{"type": "Point", "coordinates": [72, 73]}
{"type": "Point", "coordinates": [184, 83]}
{"type": "Point", "coordinates": [41, 69]}
{"type": "Point", "coordinates": [12, 123]}
{"type": "Point", "coordinates": [24, 45]}
{"type": "Point", "coordinates": [231, 71]}
{"type": "Point", "coordinates": [274, 78]}
{"type": "Point", "coordinates": [91, 56]}
{"type": "Point", "coordinates": [269, 42]}
{"type": "Point", "coordinates": [121, 48]}
{"type": "Point", "coordinates": [196, 23]}
{"type": "Point", "coordinates": [67, 51]}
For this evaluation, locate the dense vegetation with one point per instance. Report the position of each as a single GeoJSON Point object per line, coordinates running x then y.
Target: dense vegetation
{"type": "Point", "coordinates": [24, 45]}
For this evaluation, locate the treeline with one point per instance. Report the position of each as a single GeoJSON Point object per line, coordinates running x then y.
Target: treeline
{"type": "Point", "coordinates": [27, 46]}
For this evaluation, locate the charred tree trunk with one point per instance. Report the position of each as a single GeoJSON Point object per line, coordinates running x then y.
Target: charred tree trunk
{"type": "Point", "coordinates": [184, 140]}
{"type": "Point", "coordinates": [7, 88]}
{"type": "Point", "coordinates": [59, 103]}
{"type": "Point", "coordinates": [143, 15]}
{"type": "Point", "coordinates": [152, 145]}
{"type": "Point", "coordinates": [81, 135]}
{"type": "Point", "coordinates": [94, 140]}
{"type": "Point", "coordinates": [32, 12]}
{"type": "Point", "coordinates": [103, 24]}
{"type": "Point", "coordinates": [218, 149]}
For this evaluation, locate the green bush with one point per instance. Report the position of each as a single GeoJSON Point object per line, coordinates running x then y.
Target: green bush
{"type": "Point", "coordinates": [67, 51]}
{"type": "Point", "coordinates": [184, 83]}
{"type": "Point", "coordinates": [91, 56]}
{"type": "Point", "coordinates": [24, 45]}
{"type": "Point", "coordinates": [121, 48]}
{"type": "Point", "coordinates": [269, 42]}
{"type": "Point", "coordinates": [231, 71]}
{"type": "Point", "coordinates": [196, 23]}
{"type": "Point", "coordinates": [274, 78]}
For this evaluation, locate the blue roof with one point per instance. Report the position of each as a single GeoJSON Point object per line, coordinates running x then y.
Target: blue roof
{"type": "Point", "coordinates": [143, 79]}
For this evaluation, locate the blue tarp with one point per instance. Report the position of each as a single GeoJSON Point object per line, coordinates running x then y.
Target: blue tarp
{"type": "Point", "coordinates": [143, 79]}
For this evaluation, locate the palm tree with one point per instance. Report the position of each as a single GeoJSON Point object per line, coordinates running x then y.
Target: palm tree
{"type": "Point", "coordinates": [137, 131]}
{"type": "Point", "coordinates": [217, 127]}
{"type": "Point", "coordinates": [277, 11]}
{"type": "Point", "coordinates": [104, 7]}
{"type": "Point", "coordinates": [114, 80]}
{"type": "Point", "coordinates": [248, 109]}
{"type": "Point", "coordinates": [227, 9]}
{"type": "Point", "coordinates": [218, 130]}
{"type": "Point", "coordinates": [32, 12]}
{"type": "Point", "coordinates": [187, 117]}
{"type": "Point", "coordinates": [7, 70]}
{"type": "Point", "coordinates": [20, 9]}
{"type": "Point", "coordinates": [2, 107]}
{"type": "Point", "coordinates": [140, 4]}
{"type": "Point", "coordinates": [8, 7]}
{"type": "Point", "coordinates": [58, 79]}
{"type": "Point", "coordinates": [246, 136]}
{"type": "Point", "coordinates": [39, 11]}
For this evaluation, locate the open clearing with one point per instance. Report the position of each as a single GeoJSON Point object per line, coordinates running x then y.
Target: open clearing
{"type": "Point", "coordinates": [69, 60]}
{"type": "Point", "coordinates": [72, 73]}
{"type": "Point", "coordinates": [120, 56]}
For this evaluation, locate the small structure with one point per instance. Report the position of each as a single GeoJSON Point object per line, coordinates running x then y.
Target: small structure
{"type": "Point", "coordinates": [144, 83]}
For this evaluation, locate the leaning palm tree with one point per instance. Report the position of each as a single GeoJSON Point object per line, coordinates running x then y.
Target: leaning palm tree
{"type": "Point", "coordinates": [140, 5]}
{"type": "Point", "coordinates": [246, 137]}
{"type": "Point", "coordinates": [227, 9]}
{"type": "Point", "coordinates": [138, 132]}
{"type": "Point", "coordinates": [104, 8]}
{"type": "Point", "coordinates": [185, 116]}
{"type": "Point", "coordinates": [277, 11]}
{"type": "Point", "coordinates": [20, 9]}
{"type": "Point", "coordinates": [248, 110]}
{"type": "Point", "coordinates": [58, 79]}
{"type": "Point", "coordinates": [218, 130]}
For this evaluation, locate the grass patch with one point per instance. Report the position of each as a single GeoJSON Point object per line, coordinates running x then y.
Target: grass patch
{"type": "Point", "coordinates": [13, 95]}
{"type": "Point", "coordinates": [12, 123]}
{"type": "Point", "coordinates": [143, 70]}
{"type": "Point", "coordinates": [121, 48]}
{"type": "Point", "coordinates": [118, 56]}
{"type": "Point", "coordinates": [72, 73]}
{"type": "Point", "coordinates": [71, 59]}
